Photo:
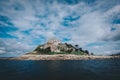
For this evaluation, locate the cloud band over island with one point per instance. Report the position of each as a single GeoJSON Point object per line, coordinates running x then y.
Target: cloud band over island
{"type": "Point", "coordinates": [92, 24]}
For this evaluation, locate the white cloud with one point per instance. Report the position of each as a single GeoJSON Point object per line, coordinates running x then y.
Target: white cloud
{"type": "Point", "coordinates": [2, 51]}
{"type": "Point", "coordinates": [41, 18]}
{"type": "Point", "coordinates": [15, 46]}
{"type": "Point", "coordinates": [113, 11]}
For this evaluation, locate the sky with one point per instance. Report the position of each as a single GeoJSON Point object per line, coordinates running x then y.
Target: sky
{"type": "Point", "coordinates": [92, 24]}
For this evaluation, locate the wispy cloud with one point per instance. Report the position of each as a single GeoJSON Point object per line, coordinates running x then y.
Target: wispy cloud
{"type": "Point", "coordinates": [93, 24]}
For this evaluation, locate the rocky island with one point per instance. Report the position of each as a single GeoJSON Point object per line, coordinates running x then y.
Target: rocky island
{"type": "Point", "coordinates": [56, 50]}
{"type": "Point", "coordinates": [54, 46]}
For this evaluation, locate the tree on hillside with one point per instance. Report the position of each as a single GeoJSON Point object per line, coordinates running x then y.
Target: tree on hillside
{"type": "Point", "coordinates": [77, 47]}
{"type": "Point", "coordinates": [92, 54]}
{"type": "Point", "coordinates": [86, 51]}
{"type": "Point", "coordinates": [80, 49]}
{"type": "Point", "coordinates": [69, 51]}
{"type": "Point", "coordinates": [47, 50]}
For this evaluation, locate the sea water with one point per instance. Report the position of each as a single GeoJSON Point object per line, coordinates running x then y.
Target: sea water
{"type": "Point", "coordinates": [107, 69]}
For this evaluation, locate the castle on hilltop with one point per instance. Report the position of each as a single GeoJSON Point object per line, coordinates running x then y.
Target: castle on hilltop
{"type": "Point", "coordinates": [53, 43]}
{"type": "Point", "coordinates": [55, 46]}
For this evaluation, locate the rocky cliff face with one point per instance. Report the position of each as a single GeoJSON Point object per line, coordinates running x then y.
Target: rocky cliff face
{"type": "Point", "coordinates": [55, 46]}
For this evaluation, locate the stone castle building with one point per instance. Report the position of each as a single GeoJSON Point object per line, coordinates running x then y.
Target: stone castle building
{"type": "Point", "coordinates": [53, 43]}
{"type": "Point", "coordinates": [56, 46]}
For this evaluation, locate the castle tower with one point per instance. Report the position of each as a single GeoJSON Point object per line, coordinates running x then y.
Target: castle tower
{"type": "Point", "coordinates": [53, 43]}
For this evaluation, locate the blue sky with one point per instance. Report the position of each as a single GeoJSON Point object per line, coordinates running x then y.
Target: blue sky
{"type": "Point", "coordinates": [92, 24]}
